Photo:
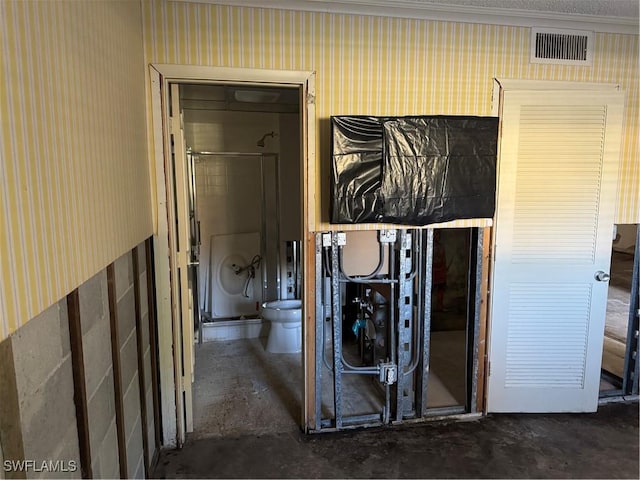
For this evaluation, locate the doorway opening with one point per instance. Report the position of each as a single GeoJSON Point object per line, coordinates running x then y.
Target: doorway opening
{"type": "Point", "coordinates": [619, 365]}
{"type": "Point", "coordinates": [243, 150]}
{"type": "Point", "coordinates": [397, 325]}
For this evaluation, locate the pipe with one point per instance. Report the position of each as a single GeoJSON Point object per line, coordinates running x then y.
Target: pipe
{"type": "Point", "coordinates": [260, 143]}
{"type": "Point", "coordinates": [417, 322]}
{"type": "Point", "coordinates": [392, 304]}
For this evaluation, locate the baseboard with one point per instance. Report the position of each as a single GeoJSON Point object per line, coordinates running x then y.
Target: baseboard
{"type": "Point", "coordinates": [225, 330]}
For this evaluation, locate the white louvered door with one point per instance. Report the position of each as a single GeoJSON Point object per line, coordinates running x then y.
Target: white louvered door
{"type": "Point", "coordinates": [184, 339]}
{"type": "Point", "coordinates": [557, 182]}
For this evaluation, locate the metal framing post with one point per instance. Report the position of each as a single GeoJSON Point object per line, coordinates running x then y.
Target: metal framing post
{"type": "Point", "coordinates": [319, 289]}
{"type": "Point", "coordinates": [336, 316]}
{"type": "Point", "coordinates": [426, 260]}
{"type": "Point", "coordinates": [404, 324]}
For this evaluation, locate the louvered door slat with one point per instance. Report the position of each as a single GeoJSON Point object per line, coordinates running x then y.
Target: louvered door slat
{"type": "Point", "coordinates": [556, 190]}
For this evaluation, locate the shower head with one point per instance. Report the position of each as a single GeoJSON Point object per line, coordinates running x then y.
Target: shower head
{"type": "Point", "coordinates": [260, 142]}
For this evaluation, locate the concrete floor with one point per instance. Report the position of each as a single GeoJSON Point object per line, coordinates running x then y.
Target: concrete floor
{"type": "Point", "coordinates": [240, 388]}
{"type": "Point", "coordinates": [247, 405]}
{"type": "Point", "coordinates": [599, 445]}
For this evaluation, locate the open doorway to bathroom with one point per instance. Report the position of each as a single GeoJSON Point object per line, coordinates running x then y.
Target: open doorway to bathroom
{"type": "Point", "coordinates": [243, 147]}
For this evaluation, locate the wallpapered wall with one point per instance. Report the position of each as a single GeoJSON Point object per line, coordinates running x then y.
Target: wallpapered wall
{"type": "Point", "coordinates": [74, 176]}
{"type": "Point", "coordinates": [387, 66]}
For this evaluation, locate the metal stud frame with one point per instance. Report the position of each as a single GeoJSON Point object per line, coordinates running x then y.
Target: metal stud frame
{"type": "Point", "coordinates": [404, 376]}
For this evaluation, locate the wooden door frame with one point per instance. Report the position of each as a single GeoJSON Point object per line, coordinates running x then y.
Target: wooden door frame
{"type": "Point", "coordinates": [160, 159]}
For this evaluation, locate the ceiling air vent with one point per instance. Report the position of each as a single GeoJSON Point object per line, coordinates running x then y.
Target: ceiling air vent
{"type": "Point", "coordinates": [561, 47]}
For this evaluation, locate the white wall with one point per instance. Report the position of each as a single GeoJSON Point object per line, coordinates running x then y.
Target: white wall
{"type": "Point", "coordinates": [290, 177]}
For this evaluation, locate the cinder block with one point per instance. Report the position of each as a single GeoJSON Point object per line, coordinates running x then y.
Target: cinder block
{"type": "Point", "coordinates": [148, 375]}
{"type": "Point", "coordinates": [144, 301]}
{"type": "Point", "coordinates": [123, 268]}
{"type": "Point", "coordinates": [142, 258]}
{"type": "Point", "coordinates": [129, 360]}
{"type": "Point", "coordinates": [71, 451]}
{"type": "Point", "coordinates": [46, 411]}
{"type": "Point", "coordinates": [38, 348]}
{"type": "Point", "coordinates": [65, 339]}
{"type": "Point", "coordinates": [140, 469]}
{"type": "Point", "coordinates": [126, 315]}
{"type": "Point", "coordinates": [102, 412]}
{"type": "Point", "coordinates": [1, 460]}
{"type": "Point", "coordinates": [131, 405]}
{"type": "Point", "coordinates": [10, 429]}
{"type": "Point", "coordinates": [135, 451]}
{"type": "Point", "coordinates": [97, 354]}
{"type": "Point", "coordinates": [95, 466]}
{"type": "Point", "coordinates": [151, 436]}
{"type": "Point", "coordinates": [93, 299]}
{"type": "Point", "coordinates": [68, 451]}
{"type": "Point", "coordinates": [145, 332]}
{"type": "Point", "coordinates": [107, 455]}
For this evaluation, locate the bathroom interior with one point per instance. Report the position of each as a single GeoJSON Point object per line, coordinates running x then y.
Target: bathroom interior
{"type": "Point", "coordinates": [243, 143]}
{"type": "Point", "coordinates": [243, 146]}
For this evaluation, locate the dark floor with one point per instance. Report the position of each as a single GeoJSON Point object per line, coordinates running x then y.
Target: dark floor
{"type": "Point", "coordinates": [599, 445]}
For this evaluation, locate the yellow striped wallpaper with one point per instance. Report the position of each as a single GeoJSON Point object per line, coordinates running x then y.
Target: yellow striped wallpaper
{"type": "Point", "coordinates": [387, 66]}
{"type": "Point", "coordinates": [74, 178]}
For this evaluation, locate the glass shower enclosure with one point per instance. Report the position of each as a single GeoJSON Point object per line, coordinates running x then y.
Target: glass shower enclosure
{"type": "Point", "coordinates": [235, 218]}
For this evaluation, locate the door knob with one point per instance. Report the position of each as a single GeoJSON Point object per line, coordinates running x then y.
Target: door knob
{"type": "Point", "coordinates": [602, 276]}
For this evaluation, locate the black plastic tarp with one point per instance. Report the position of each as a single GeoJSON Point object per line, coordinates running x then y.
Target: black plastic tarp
{"type": "Point", "coordinates": [356, 169]}
{"type": "Point", "coordinates": [413, 170]}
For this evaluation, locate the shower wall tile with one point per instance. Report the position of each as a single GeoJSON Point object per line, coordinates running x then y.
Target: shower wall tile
{"type": "Point", "coordinates": [229, 188]}
{"type": "Point", "coordinates": [228, 131]}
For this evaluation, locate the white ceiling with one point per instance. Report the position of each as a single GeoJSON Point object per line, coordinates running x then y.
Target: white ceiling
{"type": "Point", "coordinates": [614, 16]}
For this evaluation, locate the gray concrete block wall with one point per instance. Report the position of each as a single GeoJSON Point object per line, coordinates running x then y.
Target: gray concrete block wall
{"type": "Point", "coordinates": [44, 388]}
{"type": "Point", "coordinates": [96, 333]}
{"type": "Point", "coordinates": [1, 461]}
{"type": "Point", "coordinates": [108, 460]}
{"type": "Point", "coordinates": [148, 374]}
{"type": "Point", "coordinates": [151, 438]}
{"type": "Point", "coordinates": [10, 428]}
{"type": "Point", "coordinates": [129, 362]}
{"type": "Point", "coordinates": [37, 409]}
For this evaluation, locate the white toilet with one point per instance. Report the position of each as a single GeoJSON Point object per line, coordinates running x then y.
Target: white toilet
{"type": "Point", "coordinates": [285, 316]}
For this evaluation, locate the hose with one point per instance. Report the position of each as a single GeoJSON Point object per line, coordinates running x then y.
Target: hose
{"type": "Point", "coordinates": [251, 273]}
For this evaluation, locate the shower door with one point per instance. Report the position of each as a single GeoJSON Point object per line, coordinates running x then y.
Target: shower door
{"type": "Point", "coordinates": [270, 227]}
